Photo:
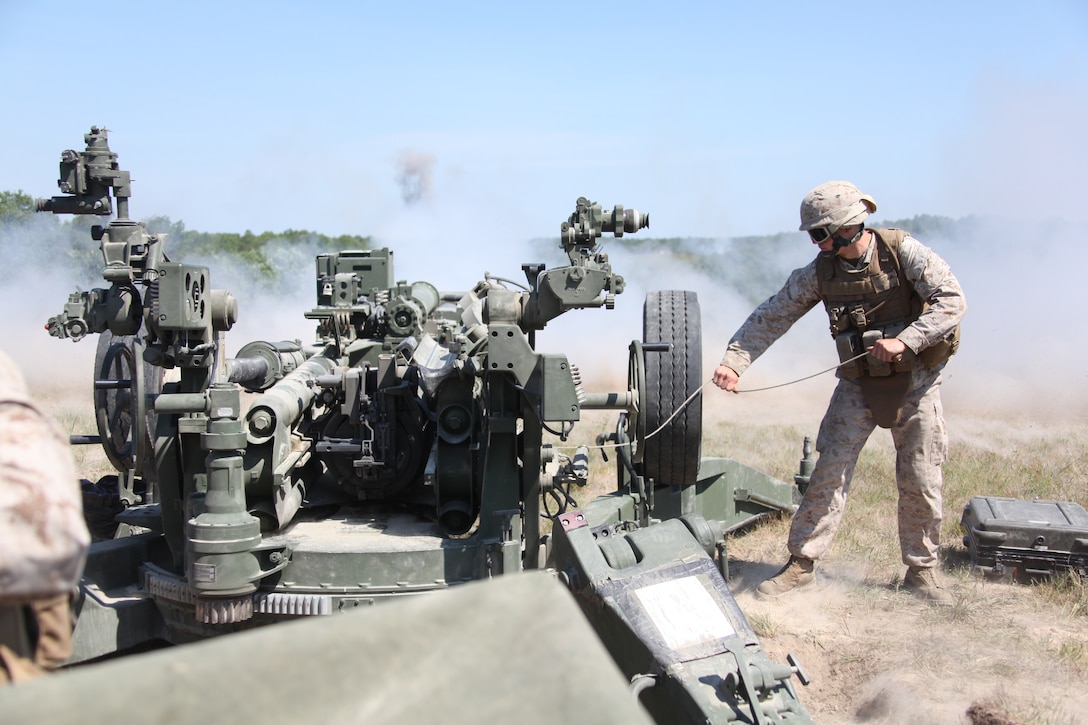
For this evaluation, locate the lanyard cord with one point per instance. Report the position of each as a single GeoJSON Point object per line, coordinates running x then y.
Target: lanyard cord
{"type": "Point", "coordinates": [798, 380]}
{"type": "Point", "coordinates": [700, 390]}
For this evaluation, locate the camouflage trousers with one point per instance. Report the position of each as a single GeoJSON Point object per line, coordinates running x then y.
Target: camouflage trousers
{"type": "Point", "coordinates": [921, 445]}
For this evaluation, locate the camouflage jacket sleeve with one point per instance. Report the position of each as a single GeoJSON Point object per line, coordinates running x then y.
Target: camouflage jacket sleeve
{"type": "Point", "coordinates": [938, 287]}
{"type": "Point", "coordinates": [43, 538]}
{"type": "Point", "coordinates": [773, 318]}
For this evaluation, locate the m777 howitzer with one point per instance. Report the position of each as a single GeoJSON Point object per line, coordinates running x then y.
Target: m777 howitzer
{"type": "Point", "coordinates": [403, 452]}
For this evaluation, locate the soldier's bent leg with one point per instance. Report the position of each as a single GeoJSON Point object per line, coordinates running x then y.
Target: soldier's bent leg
{"type": "Point", "coordinates": [843, 432]}
{"type": "Point", "coordinates": [921, 444]}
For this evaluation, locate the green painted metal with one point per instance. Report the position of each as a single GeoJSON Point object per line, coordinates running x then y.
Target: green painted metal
{"type": "Point", "coordinates": [665, 612]}
{"type": "Point", "coordinates": [512, 649]}
{"type": "Point", "coordinates": [401, 453]}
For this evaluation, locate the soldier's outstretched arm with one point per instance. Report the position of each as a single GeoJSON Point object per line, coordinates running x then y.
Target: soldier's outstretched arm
{"type": "Point", "coordinates": [771, 320]}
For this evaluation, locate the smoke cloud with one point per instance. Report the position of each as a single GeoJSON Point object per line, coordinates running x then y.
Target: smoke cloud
{"type": "Point", "coordinates": [415, 176]}
{"type": "Point", "coordinates": [36, 278]}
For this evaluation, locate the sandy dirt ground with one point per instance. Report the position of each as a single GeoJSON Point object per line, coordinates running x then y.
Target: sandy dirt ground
{"type": "Point", "coordinates": [875, 654]}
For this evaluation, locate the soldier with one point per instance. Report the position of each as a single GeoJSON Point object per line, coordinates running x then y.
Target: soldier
{"type": "Point", "coordinates": [43, 538]}
{"type": "Point", "coordinates": [891, 297]}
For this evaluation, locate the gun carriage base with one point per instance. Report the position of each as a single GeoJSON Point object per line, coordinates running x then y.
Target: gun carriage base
{"type": "Point", "coordinates": [402, 453]}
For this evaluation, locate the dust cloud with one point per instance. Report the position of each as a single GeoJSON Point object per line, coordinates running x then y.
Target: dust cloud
{"type": "Point", "coordinates": [1021, 170]}
{"type": "Point", "coordinates": [1021, 351]}
{"type": "Point", "coordinates": [35, 281]}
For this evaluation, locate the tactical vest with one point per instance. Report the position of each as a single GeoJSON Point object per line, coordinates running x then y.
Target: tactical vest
{"type": "Point", "coordinates": [874, 302]}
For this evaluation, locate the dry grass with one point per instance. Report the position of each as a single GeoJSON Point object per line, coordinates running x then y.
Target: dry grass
{"type": "Point", "coordinates": [1018, 652]}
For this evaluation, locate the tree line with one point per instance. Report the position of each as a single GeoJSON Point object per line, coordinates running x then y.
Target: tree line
{"type": "Point", "coordinates": [262, 254]}
{"type": "Point", "coordinates": [752, 266]}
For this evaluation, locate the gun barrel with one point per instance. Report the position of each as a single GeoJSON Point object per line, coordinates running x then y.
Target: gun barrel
{"type": "Point", "coordinates": [284, 402]}
{"type": "Point", "coordinates": [244, 369]}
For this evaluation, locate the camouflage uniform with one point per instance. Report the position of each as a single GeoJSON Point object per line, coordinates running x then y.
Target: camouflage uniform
{"type": "Point", "coordinates": [43, 538]}
{"type": "Point", "coordinates": [920, 437]}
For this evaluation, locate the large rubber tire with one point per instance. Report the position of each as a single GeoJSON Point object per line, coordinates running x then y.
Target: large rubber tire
{"type": "Point", "coordinates": [672, 454]}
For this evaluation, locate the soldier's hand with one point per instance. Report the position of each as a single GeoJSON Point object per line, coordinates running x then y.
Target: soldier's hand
{"type": "Point", "coordinates": [726, 378]}
{"type": "Point", "coordinates": [888, 349]}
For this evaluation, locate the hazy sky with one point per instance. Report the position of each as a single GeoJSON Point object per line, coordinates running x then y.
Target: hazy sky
{"type": "Point", "coordinates": [714, 117]}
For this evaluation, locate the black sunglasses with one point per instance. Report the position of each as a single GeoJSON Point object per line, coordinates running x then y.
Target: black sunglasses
{"type": "Point", "coordinates": [821, 234]}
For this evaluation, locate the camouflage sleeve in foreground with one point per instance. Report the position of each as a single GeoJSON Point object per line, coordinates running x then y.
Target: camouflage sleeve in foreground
{"type": "Point", "coordinates": [938, 287]}
{"type": "Point", "coordinates": [43, 538]}
{"type": "Point", "coordinates": [773, 318]}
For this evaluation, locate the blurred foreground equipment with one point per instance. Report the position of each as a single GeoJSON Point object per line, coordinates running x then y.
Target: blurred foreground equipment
{"type": "Point", "coordinates": [538, 664]}
{"type": "Point", "coordinates": [417, 443]}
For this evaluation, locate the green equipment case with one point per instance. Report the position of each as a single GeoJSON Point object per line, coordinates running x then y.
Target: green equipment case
{"type": "Point", "coordinates": [1030, 538]}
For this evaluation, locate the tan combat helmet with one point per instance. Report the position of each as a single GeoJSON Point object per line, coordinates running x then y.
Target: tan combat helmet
{"type": "Point", "coordinates": [835, 204]}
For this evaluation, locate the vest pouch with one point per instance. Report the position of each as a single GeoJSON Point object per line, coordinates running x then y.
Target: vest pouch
{"type": "Point", "coordinates": [885, 395]}
{"type": "Point", "coordinates": [877, 368]}
{"type": "Point", "coordinates": [848, 345]}
{"type": "Point", "coordinates": [940, 351]}
{"type": "Point", "coordinates": [839, 317]}
{"type": "Point", "coordinates": [884, 388]}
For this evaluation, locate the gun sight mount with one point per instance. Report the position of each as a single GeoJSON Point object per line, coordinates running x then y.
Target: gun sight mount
{"type": "Point", "coordinates": [86, 178]}
{"type": "Point", "coordinates": [589, 221]}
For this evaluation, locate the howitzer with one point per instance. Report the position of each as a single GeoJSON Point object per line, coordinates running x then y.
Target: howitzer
{"type": "Point", "coordinates": [403, 451]}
